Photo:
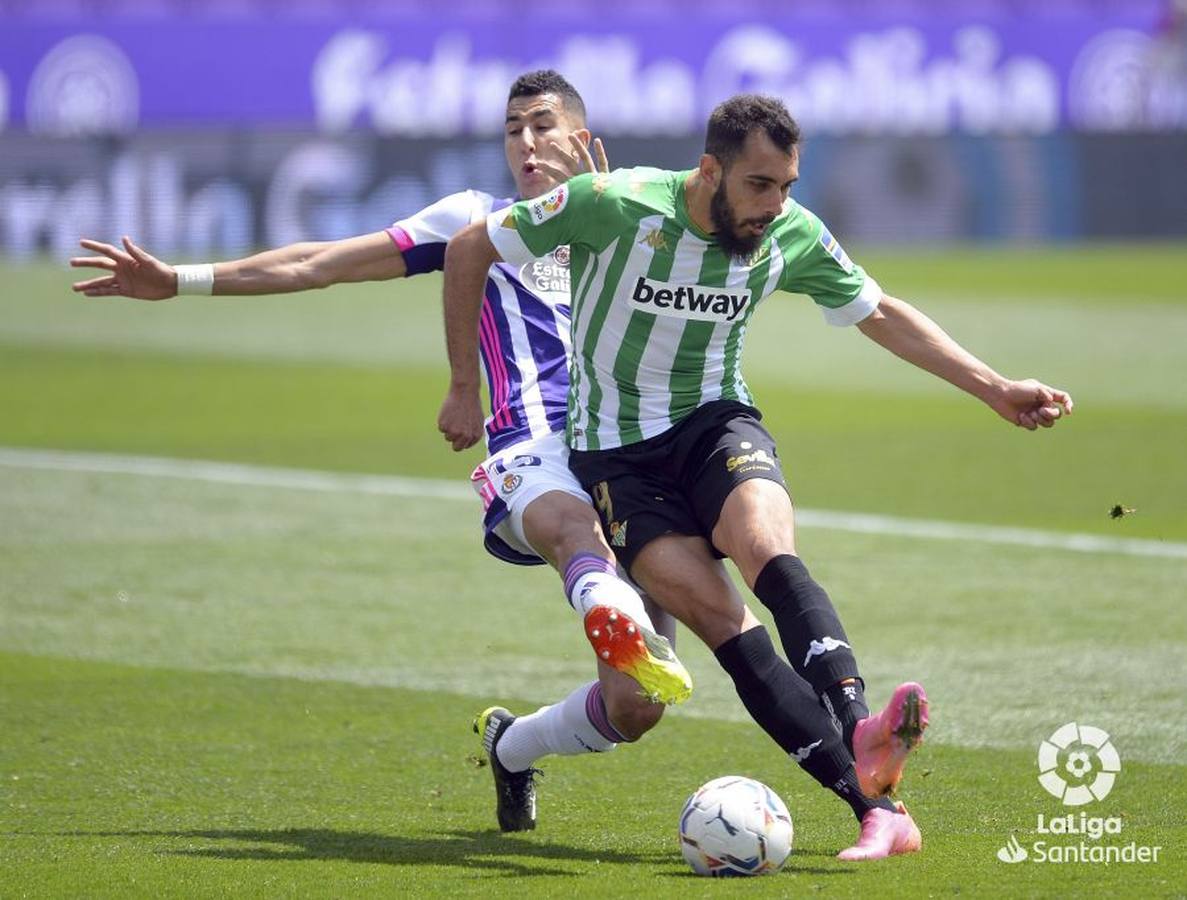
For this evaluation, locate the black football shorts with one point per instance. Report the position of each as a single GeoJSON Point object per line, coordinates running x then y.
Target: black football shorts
{"type": "Point", "coordinates": [678, 481]}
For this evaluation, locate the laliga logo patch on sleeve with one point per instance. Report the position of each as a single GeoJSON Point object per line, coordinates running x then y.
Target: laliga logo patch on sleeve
{"type": "Point", "coordinates": [834, 249]}
{"type": "Point", "coordinates": [550, 204]}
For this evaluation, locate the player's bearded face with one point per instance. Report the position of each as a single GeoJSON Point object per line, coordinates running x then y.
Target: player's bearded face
{"type": "Point", "coordinates": [739, 237]}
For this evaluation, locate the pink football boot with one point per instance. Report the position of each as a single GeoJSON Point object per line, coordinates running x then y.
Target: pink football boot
{"type": "Point", "coordinates": [882, 743]}
{"type": "Point", "coordinates": [884, 833]}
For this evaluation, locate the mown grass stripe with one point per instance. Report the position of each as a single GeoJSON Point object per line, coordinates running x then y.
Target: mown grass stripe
{"type": "Point", "coordinates": [399, 486]}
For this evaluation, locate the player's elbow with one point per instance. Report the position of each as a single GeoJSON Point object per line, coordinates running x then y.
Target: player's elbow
{"type": "Point", "coordinates": [311, 277]}
{"type": "Point", "coordinates": [315, 268]}
{"type": "Point", "coordinates": [877, 318]}
{"type": "Point", "coordinates": [890, 309]}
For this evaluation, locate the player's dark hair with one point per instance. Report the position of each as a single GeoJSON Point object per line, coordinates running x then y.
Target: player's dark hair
{"type": "Point", "coordinates": [735, 118]}
{"type": "Point", "coordinates": [548, 81]}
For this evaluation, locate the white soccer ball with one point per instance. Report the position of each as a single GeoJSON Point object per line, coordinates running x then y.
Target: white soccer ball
{"type": "Point", "coordinates": [735, 826]}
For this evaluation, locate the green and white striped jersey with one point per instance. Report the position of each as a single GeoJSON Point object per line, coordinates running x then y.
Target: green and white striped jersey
{"type": "Point", "coordinates": [660, 312]}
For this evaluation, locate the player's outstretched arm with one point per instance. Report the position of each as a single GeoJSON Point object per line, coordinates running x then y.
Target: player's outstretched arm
{"type": "Point", "coordinates": [468, 256]}
{"type": "Point", "coordinates": [134, 272]}
{"type": "Point", "coordinates": [909, 334]}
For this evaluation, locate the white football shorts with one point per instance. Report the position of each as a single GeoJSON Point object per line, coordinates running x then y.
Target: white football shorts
{"type": "Point", "coordinates": [511, 479]}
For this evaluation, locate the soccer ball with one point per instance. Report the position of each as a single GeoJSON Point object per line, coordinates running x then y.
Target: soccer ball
{"type": "Point", "coordinates": [735, 826]}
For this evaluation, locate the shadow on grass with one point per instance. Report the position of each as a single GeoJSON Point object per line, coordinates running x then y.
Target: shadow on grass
{"type": "Point", "coordinates": [469, 849]}
{"type": "Point", "coordinates": [791, 867]}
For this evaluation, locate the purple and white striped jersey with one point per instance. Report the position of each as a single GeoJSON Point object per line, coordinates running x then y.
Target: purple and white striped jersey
{"type": "Point", "coordinates": [524, 327]}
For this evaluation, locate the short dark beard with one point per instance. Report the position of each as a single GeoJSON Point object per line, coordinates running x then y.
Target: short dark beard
{"type": "Point", "coordinates": [721, 213]}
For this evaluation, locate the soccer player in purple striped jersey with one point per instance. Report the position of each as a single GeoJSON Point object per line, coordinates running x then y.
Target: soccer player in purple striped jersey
{"type": "Point", "coordinates": [535, 510]}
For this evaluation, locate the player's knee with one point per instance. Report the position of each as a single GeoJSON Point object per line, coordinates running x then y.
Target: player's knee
{"type": "Point", "coordinates": [752, 534]}
{"type": "Point", "coordinates": [563, 526]}
{"type": "Point", "coordinates": [633, 717]}
{"type": "Point", "coordinates": [581, 535]}
{"type": "Point", "coordinates": [754, 550]}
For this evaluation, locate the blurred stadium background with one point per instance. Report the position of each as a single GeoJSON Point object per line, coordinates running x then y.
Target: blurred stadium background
{"type": "Point", "coordinates": [212, 128]}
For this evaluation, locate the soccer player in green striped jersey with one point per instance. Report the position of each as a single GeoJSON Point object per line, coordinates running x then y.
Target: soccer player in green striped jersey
{"type": "Point", "coordinates": [667, 271]}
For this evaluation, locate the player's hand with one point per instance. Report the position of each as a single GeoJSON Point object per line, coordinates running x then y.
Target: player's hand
{"type": "Point", "coordinates": [460, 420]}
{"type": "Point", "coordinates": [1031, 404]}
{"type": "Point", "coordinates": [575, 159]}
{"type": "Point", "coordinates": [133, 272]}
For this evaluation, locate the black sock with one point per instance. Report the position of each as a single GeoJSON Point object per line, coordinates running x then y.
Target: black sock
{"type": "Point", "coordinates": [788, 710]}
{"type": "Point", "coordinates": [847, 701]}
{"type": "Point", "coordinates": [809, 627]}
{"type": "Point", "coordinates": [849, 789]}
{"type": "Point", "coordinates": [782, 703]}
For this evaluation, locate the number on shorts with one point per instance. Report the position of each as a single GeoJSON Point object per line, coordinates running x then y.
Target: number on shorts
{"type": "Point", "coordinates": [601, 499]}
{"type": "Point", "coordinates": [516, 462]}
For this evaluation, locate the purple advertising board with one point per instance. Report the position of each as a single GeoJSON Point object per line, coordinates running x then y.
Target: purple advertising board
{"type": "Point", "coordinates": [1122, 69]}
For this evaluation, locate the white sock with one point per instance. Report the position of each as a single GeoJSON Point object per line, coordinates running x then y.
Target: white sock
{"type": "Point", "coordinates": [578, 724]}
{"type": "Point", "coordinates": [592, 581]}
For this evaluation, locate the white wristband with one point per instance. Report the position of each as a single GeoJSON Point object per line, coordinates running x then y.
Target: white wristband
{"type": "Point", "coordinates": [195, 279]}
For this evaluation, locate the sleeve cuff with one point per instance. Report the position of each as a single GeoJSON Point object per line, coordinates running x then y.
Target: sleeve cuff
{"type": "Point", "coordinates": [399, 237]}
{"type": "Point", "coordinates": [857, 309]}
{"type": "Point", "coordinates": [507, 240]}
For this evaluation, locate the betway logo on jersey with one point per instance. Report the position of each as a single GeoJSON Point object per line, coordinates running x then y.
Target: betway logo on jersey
{"type": "Point", "coordinates": [689, 301]}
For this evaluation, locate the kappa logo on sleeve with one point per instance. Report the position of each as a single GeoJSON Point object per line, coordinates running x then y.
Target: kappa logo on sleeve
{"type": "Point", "coordinates": [549, 205]}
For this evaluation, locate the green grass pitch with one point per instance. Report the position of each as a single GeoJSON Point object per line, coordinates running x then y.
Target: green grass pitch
{"type": "Point", "coordinates": [210, 689]}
